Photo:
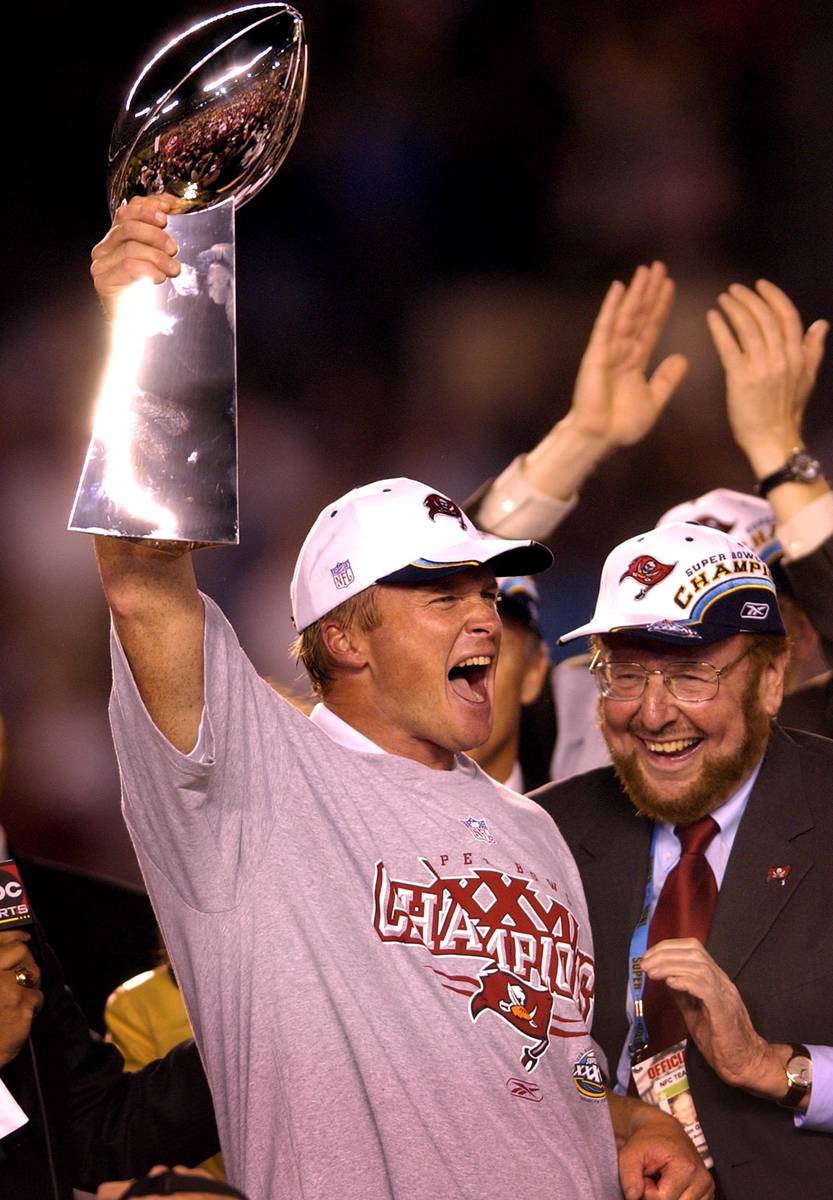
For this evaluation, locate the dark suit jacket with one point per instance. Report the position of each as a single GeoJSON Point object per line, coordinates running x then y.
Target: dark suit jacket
{"type": "Point", "coordinates": [775, 942]}
{"type": "Point", "coordinates": [89, 1121]}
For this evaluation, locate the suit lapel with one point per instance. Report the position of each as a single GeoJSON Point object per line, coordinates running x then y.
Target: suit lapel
{"type": "Point", "coordinates": [750, 898]}
{"type": "Point", "coordinates": [612, 856]}
{"type": "Point", "coordinates": [616, 860]}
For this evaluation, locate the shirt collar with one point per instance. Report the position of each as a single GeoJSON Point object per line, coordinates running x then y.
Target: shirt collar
{"type": "Point", "coordinates": [729, 813]}
{"type": "Point", "coordinates": [515, 780]}
{"type": "Point", "coordinates": [341, 732]}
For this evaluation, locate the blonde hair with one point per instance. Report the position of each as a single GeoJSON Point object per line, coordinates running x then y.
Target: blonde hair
{"type": "Point", "coordinates": [358, 612]}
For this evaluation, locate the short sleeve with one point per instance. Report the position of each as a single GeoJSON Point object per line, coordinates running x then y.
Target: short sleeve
{"type": "Point", "coordinates": [200, 817]}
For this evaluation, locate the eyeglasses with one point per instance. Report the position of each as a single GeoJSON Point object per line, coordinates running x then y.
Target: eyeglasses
{"type": "Point", "coordinates": [691, 682]}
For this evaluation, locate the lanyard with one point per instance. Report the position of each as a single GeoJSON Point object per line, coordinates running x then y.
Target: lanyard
{"type": "Point", "coordinates": [639, 944]}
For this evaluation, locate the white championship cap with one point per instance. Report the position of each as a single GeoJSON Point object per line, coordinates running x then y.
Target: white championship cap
{"type": "Point", "coordinates": [395, 531]}
{"type": "Point", "coordinates": [684, 583]}
{"type": "Point", "coordinates": [748, 518]}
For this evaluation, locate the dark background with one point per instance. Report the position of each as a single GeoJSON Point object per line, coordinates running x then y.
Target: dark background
{"type": "Point", "coordinates": [415, 288]}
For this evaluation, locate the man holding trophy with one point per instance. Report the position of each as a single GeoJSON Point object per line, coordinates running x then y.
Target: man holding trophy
{"type": "Point", "coordinates": [361, 921]}
{"type": "Point", "coordinates": [385, 955]}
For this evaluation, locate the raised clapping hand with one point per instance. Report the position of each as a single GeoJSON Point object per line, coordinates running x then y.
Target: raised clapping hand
{"type": "Point", "coordinates": [18, 1003]}
{"type": "Point", "coordinates": [771, 365]}
{"type": "Point", "coordinates": [716, 1017]}
{"type": "Point", "coordinates": [614, 399]}
{"type": "Point", "coordinates": [615, 403]}
{"type": "Point", "coordinates": [136, 246]}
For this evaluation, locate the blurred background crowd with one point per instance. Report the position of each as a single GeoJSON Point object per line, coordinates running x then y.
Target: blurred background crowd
{"type": "Point", "coordinates": [415, 289]}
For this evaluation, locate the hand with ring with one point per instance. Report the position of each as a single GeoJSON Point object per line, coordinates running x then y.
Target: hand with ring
{"type": "Point", "coordinates": [25, 977]}
{"type": "Point", "coordinates": [20, 994]}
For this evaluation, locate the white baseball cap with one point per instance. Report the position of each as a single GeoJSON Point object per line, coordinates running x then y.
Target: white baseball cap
{"type": "Point", "coordinates": [395, 531]}
{"type": "Point", "coordinates": [750, 519]}
{"type": "Point", "coordinates": [684, 583]}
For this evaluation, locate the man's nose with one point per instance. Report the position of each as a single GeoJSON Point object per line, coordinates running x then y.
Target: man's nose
{"type": "Point", "coordinates": [658, 706]}
{"type": "Point", "coordinates": [483, 616]}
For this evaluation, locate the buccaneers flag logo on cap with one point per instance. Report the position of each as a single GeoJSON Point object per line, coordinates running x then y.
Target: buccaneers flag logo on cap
{"type": "Point", "coordinates": [648, 571]}
{"type": "Point", "coordinates": [441, 506]}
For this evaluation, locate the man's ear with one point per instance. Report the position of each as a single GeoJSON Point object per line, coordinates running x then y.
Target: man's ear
{"type": "Point", "coordinates": [345, 646]}
{"type": "Point", "coordinates": [536, 672]}
{"type": "Point", "coordinates": [771, 685]}
{"type": "Point", "coordinates": [804, 641]}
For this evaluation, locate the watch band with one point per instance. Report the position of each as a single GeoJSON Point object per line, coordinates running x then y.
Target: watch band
{"type": "Point", "coordinates": [796, 1089]}
{"type": "Point", "coordinates": [800, 467]}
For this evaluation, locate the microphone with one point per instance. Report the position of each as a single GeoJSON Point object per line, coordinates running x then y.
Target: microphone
{"type": "Point", "coordinates": [15, 911]}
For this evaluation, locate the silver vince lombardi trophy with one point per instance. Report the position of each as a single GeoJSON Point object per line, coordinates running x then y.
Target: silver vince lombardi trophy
{"type": "Point", "coordinates": [209, 120]}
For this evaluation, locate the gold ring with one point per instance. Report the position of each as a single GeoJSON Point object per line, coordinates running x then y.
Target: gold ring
{"type": "Point", "coordinates": [25, 977]}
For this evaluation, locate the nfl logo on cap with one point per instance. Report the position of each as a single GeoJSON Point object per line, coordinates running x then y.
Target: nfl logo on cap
{"type": "Point", "coordinates": [342, 574]}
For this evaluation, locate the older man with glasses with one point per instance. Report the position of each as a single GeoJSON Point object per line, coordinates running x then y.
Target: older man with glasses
{"type": "Point", "coordinates": [705, 854]}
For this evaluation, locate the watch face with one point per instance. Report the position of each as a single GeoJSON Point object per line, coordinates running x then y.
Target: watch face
{"type": "Point", "coordinates": [800, 1070]}
{"type": "Point", "coordinates": [804, 467]}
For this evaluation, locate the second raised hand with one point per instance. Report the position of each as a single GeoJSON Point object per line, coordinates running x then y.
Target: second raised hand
{"type": "Point", "coordinates": [614, 399]}
{"type": "Point", "coordinates": [771, 365]}
{"type": "Point", "coordinates": [614, 403]}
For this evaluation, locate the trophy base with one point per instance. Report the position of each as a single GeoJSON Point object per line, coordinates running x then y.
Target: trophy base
{"type": "Point", "coordinates": [162, 462]}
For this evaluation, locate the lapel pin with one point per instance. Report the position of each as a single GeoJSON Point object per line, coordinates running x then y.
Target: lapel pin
{"type": "Point", "coordinates": [778, 874]}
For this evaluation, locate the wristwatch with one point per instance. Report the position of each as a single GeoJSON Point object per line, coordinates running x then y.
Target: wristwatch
{"type": "Point", "coordinates": [800, 467]}
{"type": "Point", "coordinates": [799, 1072]}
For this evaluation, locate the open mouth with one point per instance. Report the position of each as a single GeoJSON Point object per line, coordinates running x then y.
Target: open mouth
{"type": "Point", "coordinates": [671, 749]}
{"type": "Point", "coordinates": [468, 678]}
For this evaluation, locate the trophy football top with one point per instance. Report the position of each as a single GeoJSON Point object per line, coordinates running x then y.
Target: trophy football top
{"type": "Point", "coordinates": [213, 114]}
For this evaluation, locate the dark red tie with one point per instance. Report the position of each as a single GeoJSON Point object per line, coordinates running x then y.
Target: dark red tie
{"type": "Point", "coordinates": [684, 910]}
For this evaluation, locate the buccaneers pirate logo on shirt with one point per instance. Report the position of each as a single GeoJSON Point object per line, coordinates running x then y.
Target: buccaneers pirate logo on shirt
{"type": "Point", "coordinates": [535, 978]}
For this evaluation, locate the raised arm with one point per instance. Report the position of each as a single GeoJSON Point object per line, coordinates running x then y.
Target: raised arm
{"type": "Point", "coordinates": [771, 365]}
{"type": "Point", "coordinates": [615, 403]}
{"type": "Point", "coordinates": [152, 592]}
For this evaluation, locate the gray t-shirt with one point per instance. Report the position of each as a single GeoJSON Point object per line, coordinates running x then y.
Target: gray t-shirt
{"type": "Point", "coordinates": [388, 968]}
